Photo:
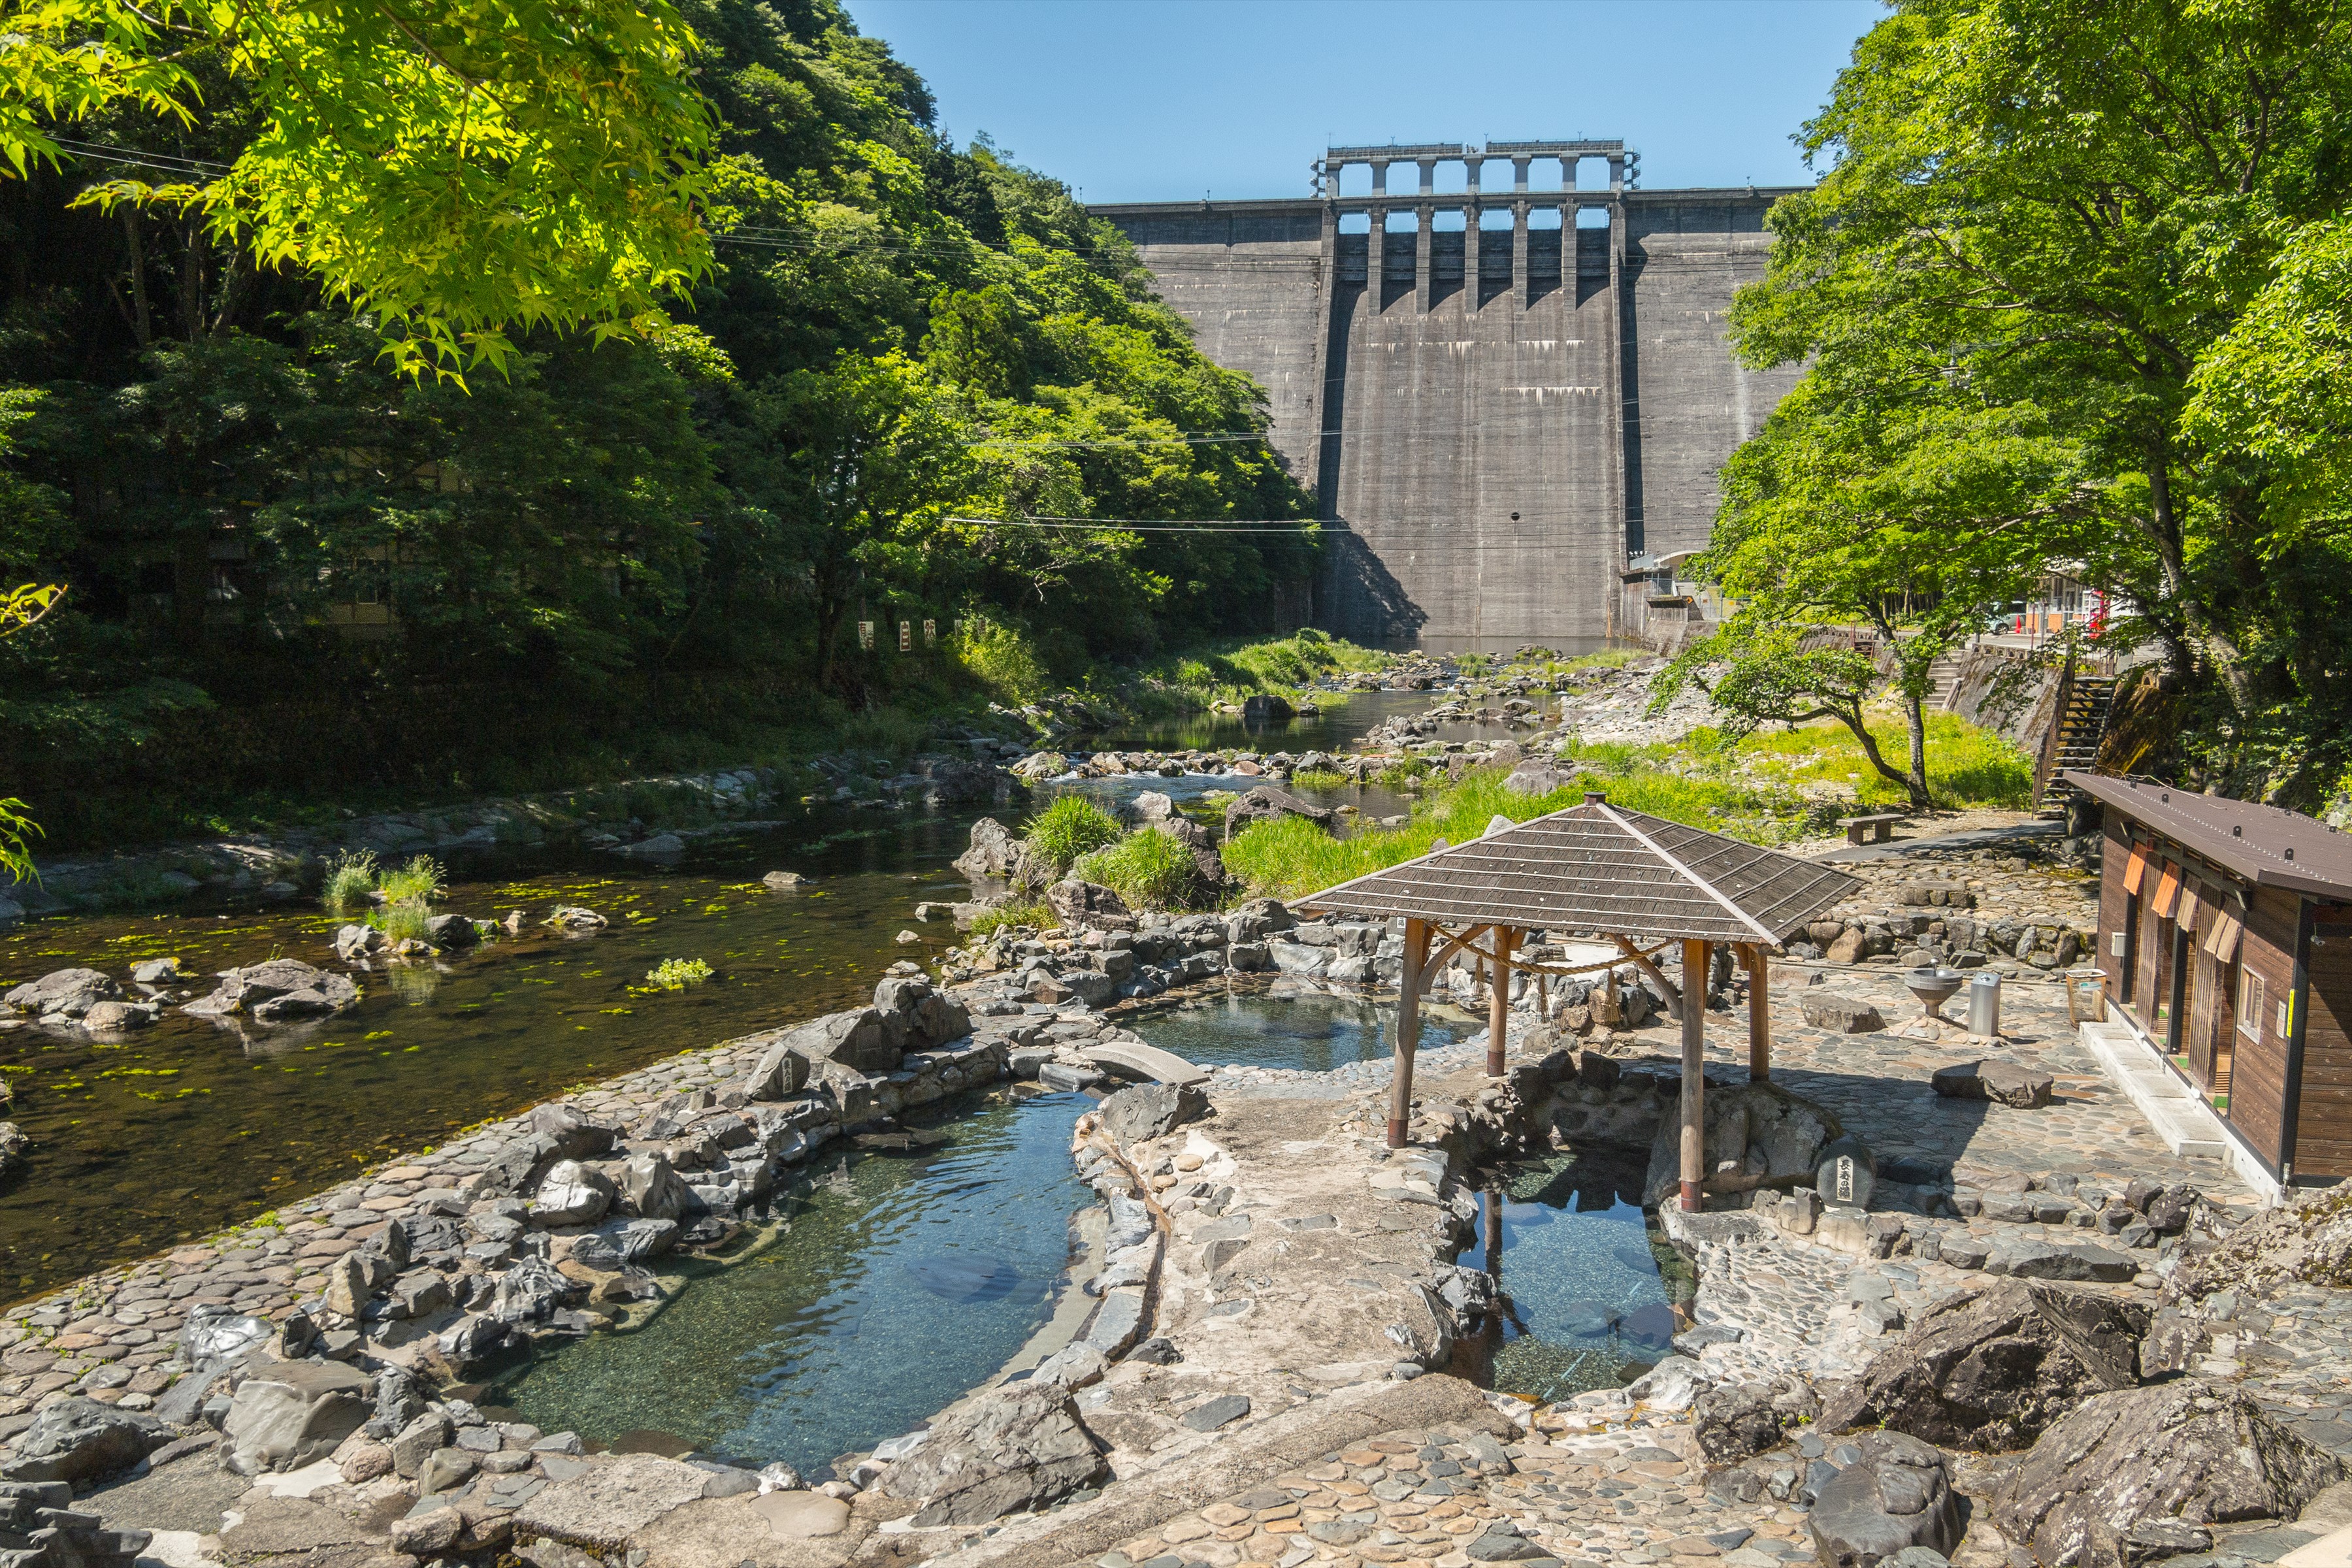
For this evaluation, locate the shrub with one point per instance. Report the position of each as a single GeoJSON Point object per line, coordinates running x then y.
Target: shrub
{"type": "Point", "coordinates": [1002, 660]}
{"type": "Point", "coordinates": [418, 882]}
{"type": "Point", "coordinates": [400, 921]}
{"type": "Point", "coordinates": [988, 923]}
{"type": "Point", "coordinates": [350, 878]}
{"type": "Point", "coordinates": [1073, 825]}
{"type": "Point", "coordinates": [1319, 778]}
{"type": "Point", "coordinates": [677, 973]}
{"type": "Point", "coordinates": [1150, 869]}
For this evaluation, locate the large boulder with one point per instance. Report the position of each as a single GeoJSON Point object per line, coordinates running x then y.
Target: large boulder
{"type": "Point", "coordinates": [277, 991]}
{"type": "Point", "coordinates": [2135, 1474]}
{"type": "Point", "coordinates": [1895, 1497]}
{"type": "Point", "coordinates": [288, 1414]}
{"type": "Point", "coordinates": [1077, 903]}
{"type": "Point", "coordinates": [1534, 779]}
{"type": "Point", "coordinates": [2003, 1083]}
{"type": "Point", "coordinates": [1840, 1014]}
{"type": "Point", "coordinates": [996, 855]}
{"type": "Point", "coordinates": [1733, 1421]}
{"type": "Point", "coordinates": [571, 1193]}
{"type": "Point", "coordinates": [1758, 1135]}
{"type": "Point", "coordinates": [651, 1189]}
{"type": "Point", "coordinates": [40, 1528]}
{"type": "Point", "coordinates": [1151, 1110]}
{"type": "Point", "coordinates": [81, 1440]}
{"type": "Point", "coordinates": [571, 1134]}
{"type": "Point", "coordinates": [64, 995]}
{"type": "Point", "coordinates": [865, 1040]}
{"type": "Point", "coordinates": [928, 1019]}
{"type": "Point", "coordinates": [1013, 1451]}
{"type": "Point", "coordinates": [1265, 803]}
{"type": "Point", "coordinates": [781, 1072]}
{"type": "Point", "coordinates": [1991, 1369]}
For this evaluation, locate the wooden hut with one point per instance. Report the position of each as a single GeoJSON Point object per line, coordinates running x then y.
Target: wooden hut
{"type": "Point", "coordinates": [2225, 935]}
{"type": "Point", "coordinates": [1593, 869]}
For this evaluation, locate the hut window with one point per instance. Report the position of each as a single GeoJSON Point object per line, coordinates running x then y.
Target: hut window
{"type": "Point", "coordinates": [2250, 1003]}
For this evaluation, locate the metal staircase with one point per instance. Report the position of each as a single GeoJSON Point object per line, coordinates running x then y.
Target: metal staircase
{"type": "Point", "coordinates": [2076, 728]}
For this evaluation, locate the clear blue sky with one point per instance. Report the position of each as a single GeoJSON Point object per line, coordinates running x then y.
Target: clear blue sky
{"type": "Point", "coordinates": [1162, 100]}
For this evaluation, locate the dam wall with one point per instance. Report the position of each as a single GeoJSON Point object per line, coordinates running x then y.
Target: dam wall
{"type": "Point", "coordinates": [1502, 399]}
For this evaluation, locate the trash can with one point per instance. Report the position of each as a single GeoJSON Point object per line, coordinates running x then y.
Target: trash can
{"type": "Point", "coordinates": [1984, 1005]}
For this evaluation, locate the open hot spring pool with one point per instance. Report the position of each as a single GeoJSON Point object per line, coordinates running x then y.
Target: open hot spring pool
{"type": "Point", "coordinates": [890, 1284]}
{"type": "Point", "coordinates": [1592, 1293]}
{"type": "Point", "coordinates": [1314, 1031]}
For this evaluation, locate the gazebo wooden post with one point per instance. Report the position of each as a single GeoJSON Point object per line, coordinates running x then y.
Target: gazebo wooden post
{"type": "Point", "coordinates": [1694, 1145]}
{"type": "Point", "coordinates": [1499, 1005]}
{"type": "Point", "coordinates": [1416, 949]}
{"type": "Point", "coordinates": [1759, 1014]}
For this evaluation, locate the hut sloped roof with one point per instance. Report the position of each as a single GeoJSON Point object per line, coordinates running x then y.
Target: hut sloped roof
{"type": "Point", "coordinates": [1594, 868]}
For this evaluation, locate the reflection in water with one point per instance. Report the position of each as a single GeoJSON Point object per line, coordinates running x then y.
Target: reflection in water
{"type": "Point", "coordinates": [1590, 1292]}
{"type": "Point", "coordinates": [893, 1284]}
{"type": "Point", "coordinates": [1317, 1032]}
{"type": "Point", "coordinates": [149, 1139]}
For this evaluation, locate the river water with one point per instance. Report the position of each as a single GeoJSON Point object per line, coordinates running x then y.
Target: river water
{"type": "Point", "coordinates": [172, 1133]}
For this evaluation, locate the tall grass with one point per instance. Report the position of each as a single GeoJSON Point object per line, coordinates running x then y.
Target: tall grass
{"type": "Point", "coordinates": [417, 882]}
{"type": "Point", "coordinates": [1150, 869]}
{"type": "Point", "coordinates": [350, 878]}
{"type": "Point", "coordinates": [1229, 672]}
{"type": "Point", "coordinates": [1033, 912]}
{"type": "Point", "coordinates": [400, 921]}
{"type": "Point", "coordinates": [1073, 825]}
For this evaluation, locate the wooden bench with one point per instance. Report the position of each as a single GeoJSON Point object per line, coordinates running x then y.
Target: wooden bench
{"type": "Point", "coordinates": [1874, 829]}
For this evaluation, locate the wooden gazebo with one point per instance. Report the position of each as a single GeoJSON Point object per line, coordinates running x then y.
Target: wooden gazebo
{"type": "Point", "coordinates": [1593, 869]}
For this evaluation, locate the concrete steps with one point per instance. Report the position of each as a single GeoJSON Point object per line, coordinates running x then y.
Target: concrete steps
{"type": "Point", "coordinates": [2187, 1125]}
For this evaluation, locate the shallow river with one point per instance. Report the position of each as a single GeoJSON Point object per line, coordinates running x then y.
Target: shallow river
{"type": "Point", "coordinates": [174, 1132]}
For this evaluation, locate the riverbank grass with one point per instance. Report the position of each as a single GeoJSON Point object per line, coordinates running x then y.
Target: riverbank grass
{"type": "Point", "coordinates": [1148, 868]}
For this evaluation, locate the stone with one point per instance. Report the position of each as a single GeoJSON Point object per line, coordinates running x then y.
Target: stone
{"type": "Point", "coordinates": [1151, 1110]}
{"type": "Point", "coordinates": [294, 1413]}
{"type": "Point", "coordinates": [446, 1469]}
{"type": "Point", "coordinates": [2003, 1083]}
{"type": "Point", "coordinates": [1734, 1421]}
{"type": "Point", "coordinates": [802, 1515]}
{"type": "Point", "coordinates": [451, 933]}
{"type": "Point", "coordinates": [1840, 1014]}
{"type": "Point", "coordinates": [427, 1534]}
{"type": "Point", "coordinates": [863, 1039]}
{"type": "Point", "coordinates": [1846, 1174]}
{"type": "Point", "coordinates": [570, 1134]}
{"type": "Point", "coordinates": [81, 1440]}
{"type": "Point", "coordinates": [417, 1442]}
{"type": "Point", "coordinates": [1991, 1369]}
{"type": "Point", "coordinates": [1895, 1497]}
{"type": "Point", "coordinates": [571, 1193]}
{"type": "Point", "coordinates": [118, 1017]}
{"type": "Point", "coordinates": [782, 881]}
{"type": "Point", "coordinates": [1089, 905]}
{"type": "Point", "coordinates": [355, 942]}
{"type": "Point", "coordinates": [362, 1462]}
{"type": "Point", "coordinates": [1150, 806]}
{"type": "Point", "coordinates": [159, 971]}
{"type": "Point", "coordinates": [1265, 803]}
{"type": "Point", "coordinates": [67, 994]}
{"type": "Point", "coordinates": [571, 917]}
{"type": "Point", "coordinates": [1221, 1411]}
{"type": "Point", "coordinates": [277, 991]}
{"type": "Point", "coordinates": [2176, 1453]}
{"type": "Point", "coordinates": [649, 1188]}
{"type": "Point", "coordinates": [1019, 1448]}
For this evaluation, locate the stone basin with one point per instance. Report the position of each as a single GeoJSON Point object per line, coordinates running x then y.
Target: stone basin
{"type": "Point", "coordinates": [1933, 988]}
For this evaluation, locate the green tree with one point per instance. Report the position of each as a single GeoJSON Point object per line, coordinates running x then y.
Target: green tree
{"type": "Point", "coordinates": [453, 170]}
{"type": "Point", "coordinates": [2057, 215]}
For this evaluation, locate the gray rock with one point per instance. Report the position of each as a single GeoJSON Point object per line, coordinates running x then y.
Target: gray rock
{"type": "Point", "coordinates": [1151, 1110]}
{"type": "Point", "coordinates": [570, 1133]}
{"type": "Point", "coordinates": [865, 1040]}
{"type": "Point", "coordinates": [1842, 1014]}
{"type": "Point", "coordinates": [781, 1072]}
{"type": "Point", "coordinates": [997, 855]}
{"type": "Point", "coordinates": [1734, 1421]}
{"type": "Point", "coordinates": [63, 992]}
{"type": "Point", "coordinates": [118, 1017]}
{"type": "Point", "coordinates": [293, 1413]}
{"type": "Point", "coordinates": [156, 972]}
{"type": "Point", "coordinates": [1089, 905]}
{"type": "Point", "coordinates": [2004, 1083]}
{"type": "Point", "coordinates": [530, 1292]}
{"type": "Point", "coordinates": [1991, 1369]}
{"type": "Point", "coordinates": [81, 1440]}
{"type": "Point", "coordinates": [1265, 803]}
{"type": "Point", "coordinates": [782, 881]}
{"type": "Point", "coordinates": [220, 1333]}
{"type": "Point", "coordinates": [2084, 1261]}
{"type": "Point", "coordinates": [1222, 1411]}
{"type": "Point", "coordinates": [1534, 778]}
{"type": "Point", "coordinates": [1017, 1449]}
{"type": "Point", "coordinates": [1753, 1130]}
{"type": "Point", "coordinates": [572, 1194]}
{"type": "Point", "coordinates": [277, 991]}
{"type": "Point", "coordinates": [2144, 1463]}
{"type": "Point", "coordinates": [649, 1188]}
{"type": "Point", "coordinates": [451, 933]}
{"type": "Point", "coordinates": [1895, 1497]}
{"type": "Point", "coordinates": [417, 1442]}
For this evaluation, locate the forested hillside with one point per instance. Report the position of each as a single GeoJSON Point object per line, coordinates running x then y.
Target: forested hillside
{"type": "Point", "coordinates": [294, 571]}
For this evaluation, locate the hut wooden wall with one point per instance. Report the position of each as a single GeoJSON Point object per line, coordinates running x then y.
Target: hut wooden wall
{"type": "Point", "coordinates": [2258, 1076]}
{"type": "Point", "coordinates": [2115, 905]}
{"type": "Point", "coordinates": [2323, 1124]}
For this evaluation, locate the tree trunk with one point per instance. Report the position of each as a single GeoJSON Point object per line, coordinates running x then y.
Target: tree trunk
{"type": "Point", "coordinates": [142, 323]}
{"type": "Point", "coordinates": [1915, 718]}
{"type": "Point", "coordinates": [2163, 528]}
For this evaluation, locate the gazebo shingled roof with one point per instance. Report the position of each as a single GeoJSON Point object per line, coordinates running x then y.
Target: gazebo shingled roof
{"type": "Point", "coordinates": [1595, 867]}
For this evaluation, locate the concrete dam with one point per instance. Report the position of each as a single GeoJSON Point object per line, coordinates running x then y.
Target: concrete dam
{"type": "Point", "coordinates": [1510, 389]}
